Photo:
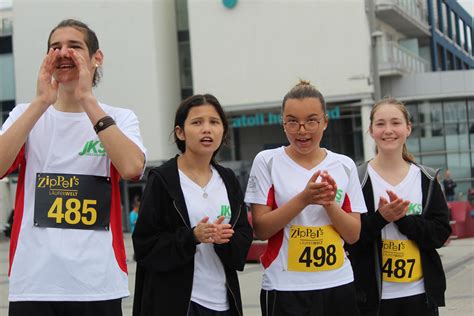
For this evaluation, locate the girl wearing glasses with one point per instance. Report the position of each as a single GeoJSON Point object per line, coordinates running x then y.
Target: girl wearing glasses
{"type": "Point", "coordinates": [306, 200]}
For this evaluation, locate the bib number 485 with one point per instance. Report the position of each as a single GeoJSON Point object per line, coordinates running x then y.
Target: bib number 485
{"type": "Point", "coordinates": [76, 211]}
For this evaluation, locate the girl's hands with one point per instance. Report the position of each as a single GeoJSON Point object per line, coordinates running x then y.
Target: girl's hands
{"type": "Point", "coordinates": [322, 193]}
{"type": "Point", "coordinates": [223, 231]}
{"type": "Point", "coordinates": [204, 231]}
{"type": "Point", "coordinates": [208, 233]}
{"type": "Point", "coordinates": [46, 85]}
{"type": "Point", "coordinates": [393, 210]}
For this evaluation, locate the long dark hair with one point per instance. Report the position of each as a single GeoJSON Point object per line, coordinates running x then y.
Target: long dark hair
{"type": "Point", "coordinates": [183, 111]}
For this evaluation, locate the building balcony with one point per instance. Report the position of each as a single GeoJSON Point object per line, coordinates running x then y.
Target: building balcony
{"type": "Point", "coordinates": [6, 27]}
{"type": "Point", "coordinates": [395, 60]}
{"type": "Point", "coordinates": [406, 16]}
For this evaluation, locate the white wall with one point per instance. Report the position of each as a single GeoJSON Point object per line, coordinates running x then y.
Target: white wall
{"type": "Point", "coordinates": [138, 38]}
{"type": "Point", "coordinates": [257, 51]}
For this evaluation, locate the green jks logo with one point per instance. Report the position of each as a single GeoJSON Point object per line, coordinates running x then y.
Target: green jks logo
{"type": "Point", "coordinates": [93, 148]}
{"type": "Point", "coordinates": [339, 195]}
{"type": "Point", "coordinates": [414, 209]}
{"type": "Point", "coordinates": [225, 211]}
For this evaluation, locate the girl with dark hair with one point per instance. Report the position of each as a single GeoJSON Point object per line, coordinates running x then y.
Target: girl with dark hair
{"type": "Point", "coordinates": [67, 255]}
{"type": "Point", "coordinates": [192, 233]}
{"type": "Point", "coordinates": [396, 267]}
{"type": "Point", "coordinates": [306, 201]}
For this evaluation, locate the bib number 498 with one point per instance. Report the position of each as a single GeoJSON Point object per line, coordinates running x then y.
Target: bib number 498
{"type": "Point", "coordinates": [319, 257]}
{"type": "Point", "coordinates": [75, 213]}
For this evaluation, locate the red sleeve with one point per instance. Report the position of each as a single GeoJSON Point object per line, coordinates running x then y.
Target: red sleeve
{"type": "Point", "coordinates": [19, 158]}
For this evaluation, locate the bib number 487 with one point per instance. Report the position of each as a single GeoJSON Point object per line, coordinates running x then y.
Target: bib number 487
{"type": "Point", "coordinates": [399, 268]}
{"type": "Point", "coordinates": [76, 211]}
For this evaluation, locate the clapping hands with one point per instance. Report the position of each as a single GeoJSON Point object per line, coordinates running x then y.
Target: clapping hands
{"type": "Point", "coordinates": [217, 232]}
{"type": "Point", "coordinates": [393, 210]}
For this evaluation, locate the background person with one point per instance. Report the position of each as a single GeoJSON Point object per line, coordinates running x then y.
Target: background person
{"type": "Point", "coordinates": [449, 185]}
{"type": "Point", "coordinates": [67, 255]}
{"type": "Point", "coordinates": [134, 212]}
{"type": "Point", "coordinates": [306, 201]}
{"type": "Point", "coordinates": [192, 233]}
{"type": "Point", "coordinates": [396, 267]}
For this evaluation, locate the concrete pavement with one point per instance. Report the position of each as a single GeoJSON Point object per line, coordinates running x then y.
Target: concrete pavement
{"type": "Point", "coordinates": [457, 257]}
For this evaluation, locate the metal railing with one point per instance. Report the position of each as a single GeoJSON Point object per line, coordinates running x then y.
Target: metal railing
{"type": "Point", "coordinates": [414, 8]}
{"type": "Point", "coordinates": [393, 58]}
{"type": "Point", "coordinates": [6, 27]}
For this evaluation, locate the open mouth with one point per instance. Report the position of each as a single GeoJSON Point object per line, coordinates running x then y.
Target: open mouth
{"type": "Point", "coordinates": [65, 65]}
{"type": "Point", "coordinates": [206, 140]}
{"type": "Point", "coordinates": [303, 140]}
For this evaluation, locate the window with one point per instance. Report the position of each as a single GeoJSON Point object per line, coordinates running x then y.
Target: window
{"type": "Point", "coordinates": [434, 161]}
{"type": "Point", "coordinates": [452, 22]}
{"type": "Point", "coordinates": [469, 39]}
{"type": "Point", "coordinates": [5, 108]}
{"type": "Point", "coordinates": [437, 15]}
{"type": "Point", "coordinates": [413, 142]}
{"type": "Point", "coordinates": [445, 18]}
{"type": "Point", "coordinates": [459, 164]}
{"type": "Point", "coordinates": [462, 40]}
{"type": "Point", "coordinates": [456, 128]}
{"type": "Point", "coordinates": [431, 126]}
{"type": "Point", "coordinates": [470, 108]}
{"type": "Point", "coordinates": [439, 65]}
{"type": "Point", "coordinates": [449, 61]}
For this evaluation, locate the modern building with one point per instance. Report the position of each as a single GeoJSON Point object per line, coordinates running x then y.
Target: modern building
{"type": "Point", "coordinates": [249, 53]}
{"type": "Point", "coordinates": [7, 100]}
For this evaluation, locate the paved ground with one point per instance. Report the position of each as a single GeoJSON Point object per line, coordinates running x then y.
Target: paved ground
{"type": "Point", "coordinates": [457, 257]}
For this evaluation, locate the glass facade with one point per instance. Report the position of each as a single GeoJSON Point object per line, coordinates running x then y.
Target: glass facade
{"type": "Point", "coordinates": [7, 75]}
{"type": "Point", "coordinates": [443, 137]}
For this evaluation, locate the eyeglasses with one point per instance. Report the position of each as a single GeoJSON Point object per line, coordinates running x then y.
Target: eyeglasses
{"type": "Point", "coordinates": [293, 126]}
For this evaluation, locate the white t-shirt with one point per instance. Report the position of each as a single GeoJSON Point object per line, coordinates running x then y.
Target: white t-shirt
{"type": "Point", "coordinates": [408, 189]}
{"type": "Point", "coordinates": [209, 282]}
{"type": "Point", "coordinates": [275, 179]}
{"type": "Point", "coordinates": [56, 264]}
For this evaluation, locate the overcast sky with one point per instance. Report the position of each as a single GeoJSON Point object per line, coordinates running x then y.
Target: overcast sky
{"type": "Point", "coordinates": [467, 4]}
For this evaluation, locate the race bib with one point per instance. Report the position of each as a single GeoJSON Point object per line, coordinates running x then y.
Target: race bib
{"type": "Point", "coordinates": [401, 261]}
{"type": "Point", "coordinates": [72, 201]}
{"type": "Point", "coordinates": [314, 248]}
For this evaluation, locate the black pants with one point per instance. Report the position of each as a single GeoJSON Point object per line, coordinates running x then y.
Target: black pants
{"type": "Point", "coordinates": [410, 305]}
{"type": "Point", "coordinates": [198, 310]}
{"type": "Point", "coordinates": [39, 308]}
{"type": "Point", "coordinates": [340, 300]}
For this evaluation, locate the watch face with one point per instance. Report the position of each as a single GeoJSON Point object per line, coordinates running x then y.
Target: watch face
{"type": "Point", "coordinates": [230, 4]}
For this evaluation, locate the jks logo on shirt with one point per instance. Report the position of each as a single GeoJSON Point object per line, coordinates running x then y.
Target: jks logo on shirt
{"type": "Point", "coordinates": [339, 195]}
{"type": "Point", "coordinates": [92, 148]}
{"type": "Point", "coordinates": [225, 211]}
{"type": "Point", "coordinates": [414, 209]}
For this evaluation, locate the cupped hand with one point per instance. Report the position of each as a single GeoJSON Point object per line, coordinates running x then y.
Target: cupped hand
{"type": "Point", "coordinates": [83, 88]}
{"type": "Point", "coordinates": [223, 231]}
{"type": "Point", "coordinates": [46, 85]}
{"type": "Point", "coordinates": [321, 193]}
{"type": "Point", "coordinates": [393, 210]}
{"type": "Point", "coordinates": [204, 231]}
